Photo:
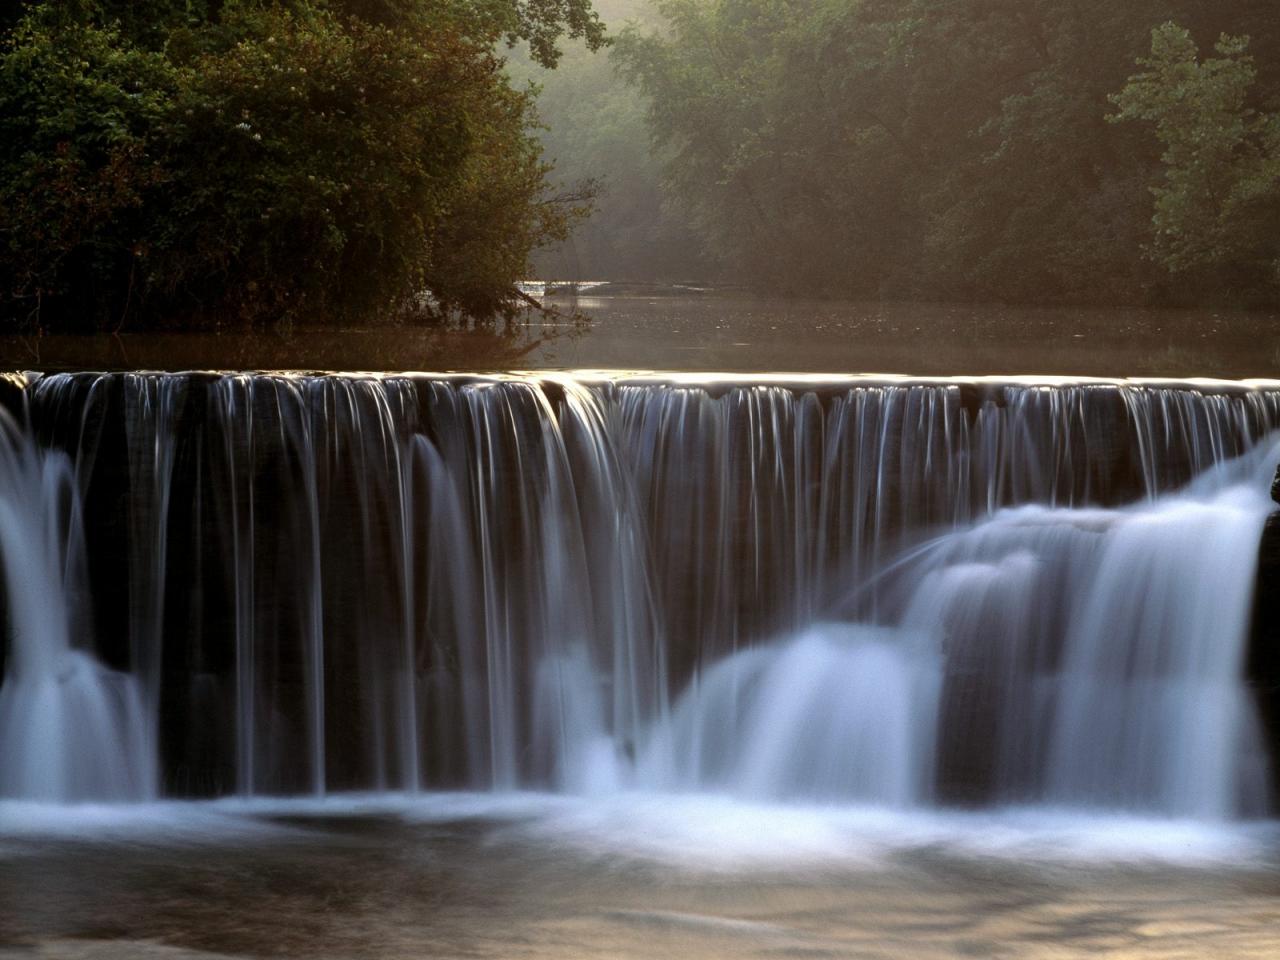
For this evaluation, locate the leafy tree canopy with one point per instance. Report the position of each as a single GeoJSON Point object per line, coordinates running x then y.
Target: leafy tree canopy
{"type": "Point", "coordinates": [1218, 201]}
{"type": "Point", "coordinates": [256, 162]}
{"type": "Point", "coordinates": [951, 149]}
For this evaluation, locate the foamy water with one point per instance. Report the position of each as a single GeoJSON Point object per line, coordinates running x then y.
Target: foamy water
{"type": "Point", "coordinates": [685, 831]}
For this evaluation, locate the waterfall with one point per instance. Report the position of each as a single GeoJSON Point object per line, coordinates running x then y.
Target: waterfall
{"type": "Point", "coordinates": [1095, 656]}
{"type": "Point", "coordinates": [70, 728]}
{"type": "Point", "coordinates": [839, 713]}
{"type": "Point", "coordinates": [882, 592]}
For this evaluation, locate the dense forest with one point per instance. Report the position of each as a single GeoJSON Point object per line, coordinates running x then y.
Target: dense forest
{"type": "Point", "coordinates": [196, 162]}
{"type": "Point", "coordinates": [1007, 150]}
{"type": "Point", "coordinates": [183, 162]}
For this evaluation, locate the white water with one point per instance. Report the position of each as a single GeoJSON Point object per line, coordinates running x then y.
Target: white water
{"type": "Point", "coordinates": [840, 713]}
{"type": "Point", "coordinates": [1150, 710]}
{"type": "Point", "coordinates": [697, 832]}
{"type": "Point", "coordinates": [1144, 709]}
{"type": "Point", "coordinates": [70, 729]}
{"type": "Point", "coordinates": [612, 589]}
{"type": "Point", "coordinates": [1109, 651]}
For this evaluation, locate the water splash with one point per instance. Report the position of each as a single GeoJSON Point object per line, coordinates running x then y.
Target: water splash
{"type": "Point", "coordinates": [840, 713]}
{"type": "Point", "coordinates": [70, 728]}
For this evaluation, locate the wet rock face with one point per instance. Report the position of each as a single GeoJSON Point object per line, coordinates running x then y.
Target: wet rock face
{"type": "Point", "coordinates": [1264, 647]}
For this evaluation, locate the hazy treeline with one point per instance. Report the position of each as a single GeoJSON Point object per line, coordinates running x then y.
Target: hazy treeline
{"type": "Point", "coordinates": [953, 149]}
{"type": "Point", "coordinates": [595, 134]}
{"type": "Point", "coordinates": [596, 139]}
{"type": "Point", "coordinates": [242, 161]}
{"type": "Point", "coordinates": [224, 161]}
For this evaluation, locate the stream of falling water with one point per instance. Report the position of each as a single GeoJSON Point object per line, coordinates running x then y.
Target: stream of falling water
{"type": "Point", "coordinates": [908, 595]}
{"type": "Point", "coordinates": [70, 729]}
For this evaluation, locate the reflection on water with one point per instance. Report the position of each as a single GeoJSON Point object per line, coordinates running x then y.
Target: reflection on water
{"type": "Point", "coordinates": [729, 333]}
{"type": "Point", "coordinates": [383, 347]}
{"type": "Point", "coordinates": [545, 877]}
{"type": "Point", "coordinates": [746, 334]}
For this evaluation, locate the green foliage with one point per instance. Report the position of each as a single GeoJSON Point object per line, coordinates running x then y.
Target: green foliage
{"type": "Point", "coordinates": [258, 162]}
{"type": "Point", "coordinates": [77, 110]}
{"type": "Point", "coordinates": [1218, 203]}
{"type": "Point", "coordinates": [539, 23]}
{"type": "Point", "coordinates": [953, 149]}
{"type": "Point", "coordinates": [713, 82]}
{"type": "Point", "coordinates": [315, 164]}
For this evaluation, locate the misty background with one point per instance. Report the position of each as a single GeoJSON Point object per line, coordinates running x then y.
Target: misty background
{"type": "Point", "coordinates": [981, 150]}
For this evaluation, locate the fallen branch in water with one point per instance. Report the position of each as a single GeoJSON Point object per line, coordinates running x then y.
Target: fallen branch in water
{"type": "Point", "coordinates": [548, 312]}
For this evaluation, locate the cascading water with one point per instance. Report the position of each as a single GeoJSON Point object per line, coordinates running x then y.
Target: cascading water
{"type": "Point", "coordinates": [848, 591]}
{"type": "Point", "coordinates": [842, 712]}
{"type": "Point", "coordinates": [70, 729]}
{"type": "Point", "coordinates": [1095, 656]}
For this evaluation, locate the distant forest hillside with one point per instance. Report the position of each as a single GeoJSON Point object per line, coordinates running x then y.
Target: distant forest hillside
{"type": "Point", "coordinates": [1010, 150]}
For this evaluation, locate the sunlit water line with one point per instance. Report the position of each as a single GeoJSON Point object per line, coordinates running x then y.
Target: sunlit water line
{"type": "Point", "coordinates": [592, 532]}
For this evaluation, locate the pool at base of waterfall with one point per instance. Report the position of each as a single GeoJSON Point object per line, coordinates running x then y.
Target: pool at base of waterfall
{"type": "Point", "coordinates": [631, 875]}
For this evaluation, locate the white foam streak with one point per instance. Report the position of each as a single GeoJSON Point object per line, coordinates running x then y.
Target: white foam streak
{"type": "Point", "coordinates": [696, 833]}
{"type": "Point", "coordinates": [70, 729]}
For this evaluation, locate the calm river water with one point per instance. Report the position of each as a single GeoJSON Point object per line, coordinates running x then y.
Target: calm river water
{"type": "Point", "coordinates": [542, 877]}
{"type": "Point", "coordinates": [731, 334]}
{"type": "Point", "coordinates": [741, 335]}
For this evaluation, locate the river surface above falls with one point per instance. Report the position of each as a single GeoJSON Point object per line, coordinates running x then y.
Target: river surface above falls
{"type": "Point", "coordinates": [639, 876]}
{"type": "Point", "coordinates": [748, 334]}
{"type": "Point", "coordinates": [731, 334]}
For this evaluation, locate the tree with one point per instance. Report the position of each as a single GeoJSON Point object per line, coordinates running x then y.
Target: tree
{"type": "Point", "coordinates": [1217, 204]}
{"type": "Point", "coordinates": [949, 149]}
{"type": "Point", "coordinates": [77, 110]}
{"type": "Point", "coordinates": [258, 162]}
